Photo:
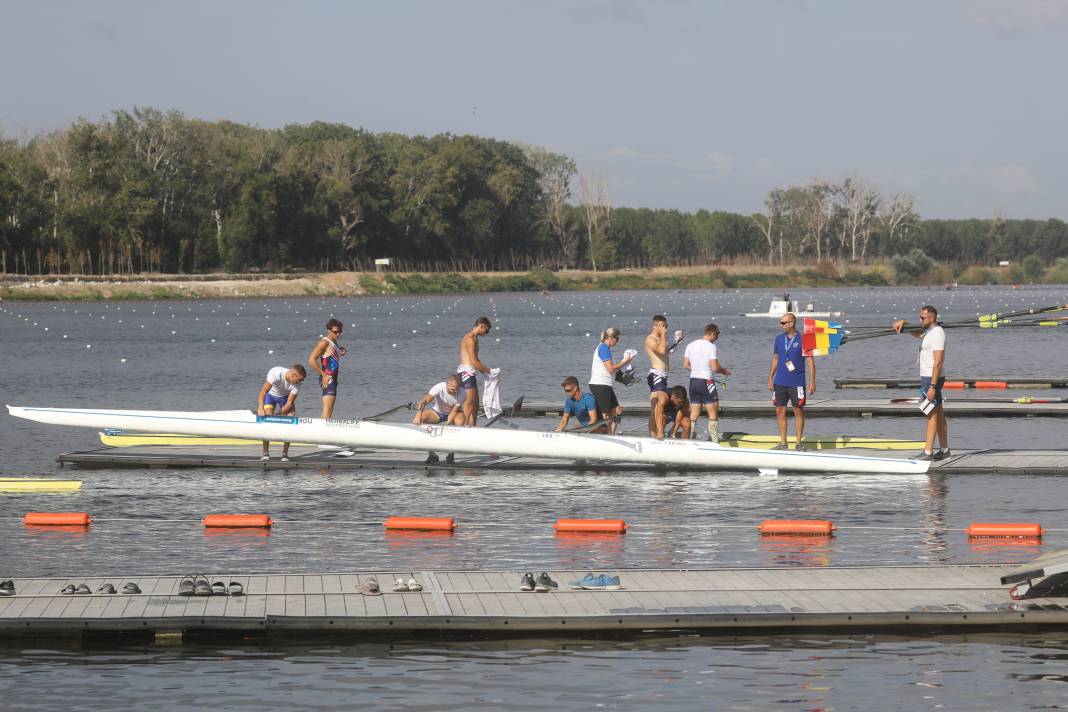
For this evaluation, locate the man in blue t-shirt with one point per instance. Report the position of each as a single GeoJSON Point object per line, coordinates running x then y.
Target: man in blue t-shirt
{"type": "Point", "coordinates": [581, 405]}
{"type": "Point", "coordinates": [787, 379]}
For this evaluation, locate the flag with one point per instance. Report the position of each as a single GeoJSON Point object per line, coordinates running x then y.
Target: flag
{"type": "Point", "coordinates": [819, 338]}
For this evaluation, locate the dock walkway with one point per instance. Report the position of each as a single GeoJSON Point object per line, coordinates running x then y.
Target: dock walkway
{"type": "Point", "coordinates": [839, 408]}
{"type": "Point", "coordinates": [841, 598]}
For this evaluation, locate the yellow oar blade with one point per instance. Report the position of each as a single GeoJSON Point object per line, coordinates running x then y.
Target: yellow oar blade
{"type": "Point", "coordinates": [29, 484]}
{"type": "Point", "coordinates": [818, 442]}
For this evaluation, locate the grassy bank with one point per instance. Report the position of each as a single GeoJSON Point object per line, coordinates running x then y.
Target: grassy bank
{"type": "Point", "coordinates": [341, 284]}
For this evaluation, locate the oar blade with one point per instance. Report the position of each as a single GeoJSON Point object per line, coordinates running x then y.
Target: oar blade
{"type": "Point", "coordinates": [819, 338]}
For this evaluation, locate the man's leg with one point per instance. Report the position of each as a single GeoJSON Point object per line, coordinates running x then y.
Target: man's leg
{"type": "Point", "coordinates": [780, 418]}
{"type": "Point", "coordinates": [267, 410]}
{"type": "Point", "coordinates": [713, 422]}
{"type": "Point", "coordinates": [943, 429]}
{"type": "Point", "coordinates": [656, 416]}
{"type": "Point", "coordinates": [328, 406]}
{"type": "Point", "coordinates": [799, 423]}
{"type": "Point", "coordinates": [932, 430]}
{"type": "Point", "coordinates": [695, 415]}
{"type": "Point", "coordinates": [471, 407]}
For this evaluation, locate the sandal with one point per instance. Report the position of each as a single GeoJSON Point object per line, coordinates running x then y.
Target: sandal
{"type": "Point", "coordinates": [218, 588]}
{"type": "Point", "coordinates": [399, 586]}
{"type": "Point", "coordinates": [235, 588]}
{"type": "Point", "coordinates": [106, 588]}
{"type": "Point", "coordinates": [369, 588]}
{"type": "Point", "coordinates": [185, 586]}
{"type": "Point", "coordinates": [67, 590]}
{"type": "Point", "coordinates": [414, 585]}
{"type": "Point", "coordinates": [131, 588]}
{"type": "Point", "coordinates": [201, 587]}
{"type": "Point", "coordinates": [82, 590]}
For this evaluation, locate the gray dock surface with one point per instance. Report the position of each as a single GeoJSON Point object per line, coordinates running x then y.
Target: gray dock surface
{"type": "Point", "coordinates": [957, 407]}
{"type": "Point", "coordinates": [993, 461]}
{"type": "Point", "coordinates": [841, 598]}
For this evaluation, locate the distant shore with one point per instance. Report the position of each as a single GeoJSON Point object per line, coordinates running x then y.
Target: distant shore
{"type": "Point", "coordinates": [347, 284]}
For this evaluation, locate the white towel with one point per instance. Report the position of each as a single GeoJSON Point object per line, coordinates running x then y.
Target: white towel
{"type": "Point", "coordinates": [629, 353]}
{"type": "Point", "coordinates": [491, 394]}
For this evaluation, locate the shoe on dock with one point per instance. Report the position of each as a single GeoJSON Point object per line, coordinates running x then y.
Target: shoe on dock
{"type": "Point", "coordinates": [82, 590]}
{"type": "Point", "coordinates": [201, 587]}
{"type": "Point", "coordinates": [7, 588]}
{"type": "Point", "coordinates": [527, 582]}
{"type": "Point", "coordinates": [131, 588]}
{"type": "Point", "coordinates": [235, 589]}
{"type": "Point", "coordinates": [284, 458]}
{"type": "Point", "coordinates": [106, 588]}
{"type": "Point", "coordinates": [218, 588]}
{"type": "Point", "coordinates": [265, 458]}
{"type": "Point", "coordinates": [369, 588]}
{"type": "Point", "coordinates": [431, 459]}
{"type": "Point", "coordinates": [414, 585]}
{"type": "Point", "coordinates": [67, 590]}
{"type": "Point", "coordinates": [185, 587]}
{"type": "Point", "coordinates": [596, 582]}
{"type": "Point", "coordinates": [544, 584]}
{"type": "Point", "coordinates": [450, 459]}
{"type": "Point", "coordinates": [925, 456]}
{"type": "Point", "coordinates": [781, 446]}
{"type": "Point", "coordinates": [399, 586]}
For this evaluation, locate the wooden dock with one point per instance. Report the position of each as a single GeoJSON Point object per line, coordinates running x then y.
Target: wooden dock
{"type": "Point", "coordinates": [1027, 382]}
{"type": "Point", "coordinates": [993, 461]}
{"type": "Point", "coordinates": [842, 408]}
{"type": "Point", "coordinates": [917, 598]}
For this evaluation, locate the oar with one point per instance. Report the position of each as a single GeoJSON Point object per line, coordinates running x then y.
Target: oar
{"type": "Point", "coordinates": [511, 412]}
{"type": "Point", "coordinates": [589, 428]}
{"type": "Point", "coordinates": [391, 411]}
{"type": "Point", "coordinates": [1024, 400]}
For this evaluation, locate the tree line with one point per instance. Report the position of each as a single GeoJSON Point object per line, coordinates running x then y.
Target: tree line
{"type": "Point", "coordinates": [146, 190]}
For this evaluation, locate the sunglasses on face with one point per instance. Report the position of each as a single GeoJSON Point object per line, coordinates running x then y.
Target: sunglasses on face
{"type": "Point", "coordinates": [572, 389]}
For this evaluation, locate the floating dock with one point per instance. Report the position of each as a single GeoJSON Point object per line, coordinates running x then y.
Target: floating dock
{"type": "Point", "coordinates": [915, 598]}
{"type": "Point", "coordinates": [993, 461]}
{"type": "Point", "coordinates": [840, 408]}
{"type": "Point", "coordinates": [1028, 382]}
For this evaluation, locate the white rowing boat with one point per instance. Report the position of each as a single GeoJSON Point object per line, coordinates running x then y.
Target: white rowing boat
{"type": "Point", "coordinates": [517, 443]}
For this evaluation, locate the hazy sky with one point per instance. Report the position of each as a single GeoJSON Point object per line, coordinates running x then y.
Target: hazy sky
{"type": "Point", "coordinates": [680, 104]}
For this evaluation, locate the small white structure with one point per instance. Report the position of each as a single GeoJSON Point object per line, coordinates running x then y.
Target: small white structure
{"type": "Point", "coordinates": [383, 263]}
{"type": "Point", "coordinates": [784, 304]}
{"type": "Point", "coordinates": [1003, 263]}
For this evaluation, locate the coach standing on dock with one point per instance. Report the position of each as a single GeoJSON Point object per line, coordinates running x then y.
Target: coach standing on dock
{"type": "Point", "coordinates": [932, 378]}
{"type": "Point", "coordinates": [786, 379]}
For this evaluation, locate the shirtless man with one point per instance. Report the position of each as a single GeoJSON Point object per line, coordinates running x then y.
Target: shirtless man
{"type": "Point", "coordinates": [657, 349]}
{"type": "Point", "coordinates": [469, 368]}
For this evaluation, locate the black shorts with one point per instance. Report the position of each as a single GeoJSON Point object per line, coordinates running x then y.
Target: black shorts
{"type": "Point", "coordinates": [606, 399]}
{"type": "Point", "coordinates": [789, 395]}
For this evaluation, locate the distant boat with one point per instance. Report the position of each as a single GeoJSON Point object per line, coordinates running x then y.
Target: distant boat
{"type": "Point", "coordinates": [784, 304]}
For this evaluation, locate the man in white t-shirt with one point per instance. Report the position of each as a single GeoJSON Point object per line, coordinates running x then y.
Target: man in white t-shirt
{"type": "Point", "coordinates": [446, 400]}
{"type": "Point", "coordinates": [932, 378]}
{"type": "Point", "coordinates": [702, 358]}
{"type": "Point", "coordinates": [278, 396]}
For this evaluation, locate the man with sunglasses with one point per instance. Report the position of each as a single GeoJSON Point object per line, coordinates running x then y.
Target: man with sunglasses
{"type": "Point", "coordinates": [581, 405]}
{"type": "Point", "coordinates": [325, 359]}
{"type": "Point", "coordinates": [278, 396]}
{"type": "Point", "coordinates": [932, 379]}
{"type": "Point", "coordinates": [786, 379]}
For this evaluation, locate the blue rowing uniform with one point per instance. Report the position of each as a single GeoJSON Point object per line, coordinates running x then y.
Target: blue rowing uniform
{"type": "Point", "coordinates": [790, 370]}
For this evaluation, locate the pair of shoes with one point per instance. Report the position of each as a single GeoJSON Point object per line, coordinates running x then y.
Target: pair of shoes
{"type": "Point", "coordinates": [399, 586]}
{"type": "Point", "coordinates": [369, 588]}
{"type": "Point", "coordinates": [781, 446]}
{"type": "Point", "coordinates": [596, 582]}
{"type": "Point", "coordinates": [544, 584]}
{"type": "Point", "coordinates": [70, 589]}
{"type": "Point", "coordinates": [943, 454]}
{"type": "Point", "coordinates": [7, 588]}
{"type": "Point", "coordinates": [925, 456]}
{"type": "Point", "coordinates": [265, 458]}
{"type": "Point", "coordinates": [431, 459]}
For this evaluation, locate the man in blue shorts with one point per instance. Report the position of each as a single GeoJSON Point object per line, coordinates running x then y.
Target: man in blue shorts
{"type": "Point", "coordinates": [932, 378]}
{"type": "Point", "coordinates": [702, 358]}
{"type": "Point", "coordinates": [677, 414]}
{"type": "Point", "coordinates": [581, 405]}
{"type": "Point", "coordinates": [446, 401]}
{"type": "Point", "coordinates": [278, 396]}
{"type": "Point", "coordinates": [786, 379]}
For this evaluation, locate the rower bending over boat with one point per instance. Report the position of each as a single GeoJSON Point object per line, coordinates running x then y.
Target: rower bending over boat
{"type": "Point", "coordinates": [657, 349]}
{"type": "Point", "coordinates": [446, 400]}
{"type": "Point", "coordinates": [601, 377]}
{"type": "Point", "coordinates": [677, 421]}
{"type": "Point", "coordinates": [278, 396]}
{"type": "Point", "coordinates": [581, 405]}
{"type": "Point", "coordinates": [702, 358]}
{"type": "Point", "coordinates": [469, 368]}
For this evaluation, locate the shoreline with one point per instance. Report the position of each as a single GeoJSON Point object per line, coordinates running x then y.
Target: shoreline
{"type": "Point", "coordinates": [350, 284]}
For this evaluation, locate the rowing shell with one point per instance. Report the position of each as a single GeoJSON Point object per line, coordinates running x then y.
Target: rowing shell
{"type": "Point", "coordinates": [819, 442]}
{"type": "Point", "coordinates": [479, 441]}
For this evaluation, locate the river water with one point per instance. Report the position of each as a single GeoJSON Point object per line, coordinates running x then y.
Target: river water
{"type": "Point", "coordinates": [213, 355]}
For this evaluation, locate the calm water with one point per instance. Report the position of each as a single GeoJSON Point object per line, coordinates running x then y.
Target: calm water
{"type": "Point", "coordinates": [214, 354]}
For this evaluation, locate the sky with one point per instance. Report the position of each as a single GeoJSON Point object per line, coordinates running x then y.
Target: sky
{"type": "Point", "coordinates": [677, 104]}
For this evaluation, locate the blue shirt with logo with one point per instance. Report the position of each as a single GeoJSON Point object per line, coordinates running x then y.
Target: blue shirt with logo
{"type": "Point", "coordinates": [789, 350]}
{"type": "Point", "coordinates": [581, 408]}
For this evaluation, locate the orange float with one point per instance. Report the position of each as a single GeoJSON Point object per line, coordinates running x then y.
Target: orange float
{"type": "Point", "coordinates": [953, 385]}
{"type": "Point", "coordinates": [1000, 385]}
{"type": "Point", "coordinates": [238, 521]}
{"type": "Point", "coordinates": [57, 519]}
{"type": "Point", "coordinates": [611, 526]}
{"type": "Point", "coordinates": [421, 523]}
{"type": "Point", "coordinates": [1031, 530]}
{"type": "Point", "coordinates": [820, 527]}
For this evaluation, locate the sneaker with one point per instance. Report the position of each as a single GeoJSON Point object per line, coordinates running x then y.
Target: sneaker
{"type": "Point", "coordinates": [596, 582]}
{"type": "Point", "coordinates": [414, 585]}
{"type": "Point", "coordinates": [284, 458]}
{"type": "Point", "coordinates": [781, 446]}
{"type": "Point", "coordinates": [431, 459]}
{"type": "Point", "coordinates": [265, 458]}
{"type": "Point", "coordinates": [450, 459]}
{"type": "Point", "coordinates": [527, 582]}
{"type": "Point", "coordinates": [7, 588]}
{"type": "Point", "coordinates": [82, 590]}
{"type": "Point", "coordinates": [399, 586]}
{"type": "Point", "coordinates": [946, 454]}
{"type": "Point", "coordinates": [369, 588]}
{"type": "Point", "coordinates": [544, 584]}
{"type": "Point", "coordinates": [926, 456]}
{"type": "Point", "coordinates": [67, 590]}
{"type": "Point", "coordinates": [131, 588]}
{"type": "Point", "coordinates": [106, 588]}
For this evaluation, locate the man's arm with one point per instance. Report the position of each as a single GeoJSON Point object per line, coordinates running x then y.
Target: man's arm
{"type": "Point", "coordinates": [313, 359]}
{"type": "Point", "coordinates": [291, 404]}
{"type": "Point", "coordinates": [936, 371]}
{"type": "Point", "coordinates": [716, 368]}
{"type": "Point", "coordinates": [263, 394]}
{"type": "Point", "coordinates": [771, 372]}
{"type": "Point", "coordinates": [686, 363]}
{"type": "Point", "coordinates": [563, 421]}
{"type": "Point", "coordinates": [899, 325]}
{"type": "Point", "coordinates": [810, 363]}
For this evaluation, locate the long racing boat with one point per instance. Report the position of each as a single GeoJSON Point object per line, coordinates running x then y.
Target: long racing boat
{"type": "Point", "coordinates": [579, 447]}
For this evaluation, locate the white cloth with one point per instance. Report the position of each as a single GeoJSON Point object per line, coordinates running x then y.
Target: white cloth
{"type": "Point", "coordinates": [699, 353]}
{"type": "Point", "coordinates": [934, 339]}
{"type": "Point", "coordinates": [599, 375]}
{"type": "Point", "coordinates": [631, 353]}
{"type": "Point", "coordinates": [491, 393]}
{"type": "Point", "coordinates": [444, 401]}
{"type": "Point", "coordinates": [280, 387]}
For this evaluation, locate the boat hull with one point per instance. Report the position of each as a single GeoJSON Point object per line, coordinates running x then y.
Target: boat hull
{"type": "Point", "coordinates": [517, 443]}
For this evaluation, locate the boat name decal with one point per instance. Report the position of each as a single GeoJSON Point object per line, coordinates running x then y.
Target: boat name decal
{"type": "Point", "coordinates": [281, 419]}
{"type": "Point", "coordinates": [342, 423]}
{"type": "Point", "coordinates": [435, 430]}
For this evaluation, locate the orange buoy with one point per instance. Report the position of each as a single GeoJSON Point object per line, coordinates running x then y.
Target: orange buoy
{"type": "Point", "coordinates": [992, 384]}
{"type": "Point", "coordinates": [613, 526]}
{"type": "Point", "coordinates": [822, 527]}
{"type": "Point", "coordinates": [424, 523]}
{"type": "Point", "coordinates": [237, 521]}
{"type": "Point", "coordinates": [953, 385]}
{"type": "Point", "coordinates": [57, 519]}
{"type": "Point", "coordinates": [1005, 529]}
